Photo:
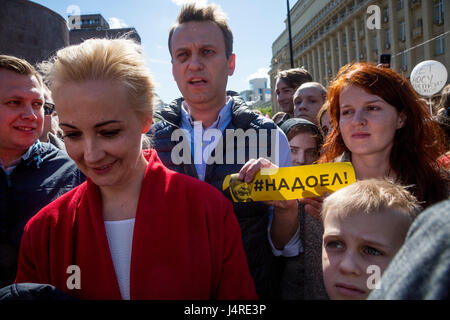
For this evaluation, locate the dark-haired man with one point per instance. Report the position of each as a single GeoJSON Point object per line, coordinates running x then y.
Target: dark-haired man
{"type": "Point", "coordinates": [213, 122]}
{"type": "Point", "coordinates": [287, 82]}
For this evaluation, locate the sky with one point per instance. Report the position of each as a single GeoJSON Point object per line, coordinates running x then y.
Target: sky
{"type": "Point", "coordinates": [255, 25]}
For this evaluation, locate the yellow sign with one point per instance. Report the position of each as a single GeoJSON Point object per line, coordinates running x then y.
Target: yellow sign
{"type": "Point", "coordinates": [291, 183]}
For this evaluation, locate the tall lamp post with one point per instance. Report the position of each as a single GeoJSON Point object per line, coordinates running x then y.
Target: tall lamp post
{"type": "Point", "coordinates": [290, 35]}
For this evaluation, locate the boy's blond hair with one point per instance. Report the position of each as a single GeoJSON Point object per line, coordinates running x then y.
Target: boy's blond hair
{"type": "Point", "coordinates": [370, 197]}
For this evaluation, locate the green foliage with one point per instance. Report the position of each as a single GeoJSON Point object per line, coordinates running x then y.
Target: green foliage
{"type": "Point", "coordinates": [266, 110]}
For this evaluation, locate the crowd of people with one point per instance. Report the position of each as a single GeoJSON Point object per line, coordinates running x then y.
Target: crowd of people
{"type": "Point", "coordinates": [98, 200]}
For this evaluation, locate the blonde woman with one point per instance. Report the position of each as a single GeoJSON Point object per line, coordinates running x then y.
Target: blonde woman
{"type": "Point", "coordinates": [134, 230]}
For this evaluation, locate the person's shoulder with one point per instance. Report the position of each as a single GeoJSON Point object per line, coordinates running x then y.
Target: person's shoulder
{"type": "Point", "coordinates": [435, 220]}
{"type": "Point", "coordinates": [57, 164]}
{"type": "Point", "coordinates": [50, 153]}
{"type": "Point", "coordinates": [243, 116]}
{"type": "Point", "coordinates": [167, 116]}
{"type": "Point", "coordinates": [58, 210]}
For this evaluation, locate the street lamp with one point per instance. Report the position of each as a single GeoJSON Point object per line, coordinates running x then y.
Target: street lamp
{"type": "Point", "coordinates": [290, 35]}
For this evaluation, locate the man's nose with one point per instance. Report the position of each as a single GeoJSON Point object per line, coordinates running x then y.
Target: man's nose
{"type": "Point", "coordinates": [28, 112]}
{"type": "Point", "coordinates": [195, 62]}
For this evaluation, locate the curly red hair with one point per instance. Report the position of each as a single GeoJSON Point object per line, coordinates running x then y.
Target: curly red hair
{"type": "Point", "coordinates": [417, 146]}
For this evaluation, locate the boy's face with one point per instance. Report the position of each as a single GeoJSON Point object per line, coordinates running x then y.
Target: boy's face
{"type": "Point", "coordinates": [304, 149]}
{"type": "Point", "coordinates": [352, 243]}
{"type": "Point", "coordinates": [307, 102]}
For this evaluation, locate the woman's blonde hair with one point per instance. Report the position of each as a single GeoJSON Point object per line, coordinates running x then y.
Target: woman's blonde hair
{"type": "Point", "coordinates": [119, 60]}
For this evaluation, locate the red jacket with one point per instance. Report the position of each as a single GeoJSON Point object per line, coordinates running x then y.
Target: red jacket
{"type": "Point", "coordinates": [186, 243]}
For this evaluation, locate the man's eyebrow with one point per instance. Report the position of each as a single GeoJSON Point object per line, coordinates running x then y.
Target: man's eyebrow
{"type": "Point", "coordinates": [19, 97]}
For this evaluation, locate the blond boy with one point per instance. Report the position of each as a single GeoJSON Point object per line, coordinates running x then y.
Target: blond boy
{"type": "Point", "coordinates": [365, 224]}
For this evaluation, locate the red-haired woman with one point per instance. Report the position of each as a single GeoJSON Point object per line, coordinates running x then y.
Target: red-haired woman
{"type": "Point", "coordinates": [380, 125]}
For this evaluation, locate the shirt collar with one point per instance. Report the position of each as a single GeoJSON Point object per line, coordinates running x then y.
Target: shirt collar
{"type": "Point", "coordinates": [222, 120]}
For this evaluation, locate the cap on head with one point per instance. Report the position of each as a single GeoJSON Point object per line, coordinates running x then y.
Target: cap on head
{"type": "Point", "coordinates": [294, 123]}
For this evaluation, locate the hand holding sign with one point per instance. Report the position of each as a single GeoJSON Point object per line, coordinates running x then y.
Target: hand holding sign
{"type": "Point", "coordinates": [272, 183]}
{"type": "Point", "coordinates": [285, 220]}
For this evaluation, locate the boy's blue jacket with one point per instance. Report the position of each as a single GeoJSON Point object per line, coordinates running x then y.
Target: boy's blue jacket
{"type": "Point", "coordinates": [45, 175]}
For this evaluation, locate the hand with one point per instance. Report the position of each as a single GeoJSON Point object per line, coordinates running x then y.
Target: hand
{"type": "Point", "coordinates": [247, 174]}
{"type": "Point", "coordinates": [252, 167]}
{"type": "Point", "coordinates": [313, 206]}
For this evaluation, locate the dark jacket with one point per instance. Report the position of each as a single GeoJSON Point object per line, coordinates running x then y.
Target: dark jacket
{"type": "Point", "coordinates": [301, 276]}
{"type": "Point", "coordinates": [32, 291]}
{"type": "Point", "coordinates": [34, 183]}
{"type": "Point", "coordinates": [252, 216]}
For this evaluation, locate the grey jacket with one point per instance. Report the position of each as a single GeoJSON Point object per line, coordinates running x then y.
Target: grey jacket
{"type": "Point", "coordinates": [421, 269]}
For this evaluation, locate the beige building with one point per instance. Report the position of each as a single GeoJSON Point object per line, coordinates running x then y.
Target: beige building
{"type": "Point", "coordinates": [327, 34]}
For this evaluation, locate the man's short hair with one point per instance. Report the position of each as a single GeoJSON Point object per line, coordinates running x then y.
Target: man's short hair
{"type": "Point", "coordinates": [317, 85]}
{"type": "Point", "coordinates": [212, 13]}
{"type": "Point", "coordinates": [278, 116]}
{"type": "Point", "coordinates": [295, 77]}
{"type": "Point", "coordinates": [19, 66]}
{"type": "Point", "coordinates": [370, 197]}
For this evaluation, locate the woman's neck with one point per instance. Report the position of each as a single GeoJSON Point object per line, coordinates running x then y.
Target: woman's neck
{"type": "Point", "coordinates": [372, 166]}
{"type": "Point", "coordinates": [120, 201]}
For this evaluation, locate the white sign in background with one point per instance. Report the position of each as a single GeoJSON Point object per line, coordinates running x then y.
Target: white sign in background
{"type": "Point", "coordinates": [429, 77]}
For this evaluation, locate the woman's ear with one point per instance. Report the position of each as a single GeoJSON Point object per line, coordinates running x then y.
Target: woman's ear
{"type": "Point", "coordinates": [401, 120]}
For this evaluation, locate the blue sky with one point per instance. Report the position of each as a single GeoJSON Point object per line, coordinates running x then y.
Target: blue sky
{"type": "Point", "coordinates": [255, 25]}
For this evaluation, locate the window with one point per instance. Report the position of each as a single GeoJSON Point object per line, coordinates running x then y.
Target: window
{"type": "Point", "coordinates": [375, 44]}
{"type": "Point", "coordinates": [404, 62]}
{"type": "Point", "coordinates": [387, 43]}
{"type": "Point", "coordinates": [385, 14]}
{"type": "Point", "coordinates": [402, 31]}
{"type": "Point", "coordinates": [439, 46]}
{"type": "Point", "coordinates": [438, 16]}
{"type": "Point", "coordinates": [400, 4]}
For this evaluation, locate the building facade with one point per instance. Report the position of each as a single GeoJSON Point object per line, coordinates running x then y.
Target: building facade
{"type": "Point", "coordinates": [259, 92]}
{"type": "Point", "coordinates": [327, 34]}
{"type": "Point", "coordinates": [31, 31]}
{"type": "Point", "coordinates": [90, 26]}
